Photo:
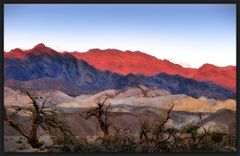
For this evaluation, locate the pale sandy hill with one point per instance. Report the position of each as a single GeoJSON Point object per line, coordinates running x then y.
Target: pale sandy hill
{"type": "Point", "coordinates": [14, 98]}
{"type": "Point", "coordinates": [141, 91]}
{"type": "Point", "coordinates": [55, 96]}
{"type": "Point", "coordinates": [136, 96]}
{"type": "Point", "coordinates": [17, 98]}
{"type": "Point", "coordinates": [191, 104]}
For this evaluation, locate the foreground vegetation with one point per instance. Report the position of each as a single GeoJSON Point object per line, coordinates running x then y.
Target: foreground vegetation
{"type": "Point", "coordinates": [151, 137]}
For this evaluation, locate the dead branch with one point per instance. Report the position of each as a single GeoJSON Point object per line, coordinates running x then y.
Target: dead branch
{"type": "Point", "coordinates": [144, 129]}
{"type": "Point", "coordinates": [41, 117]}
{"type": "Point", "coordinates": [101, 115]}
{"type": "Point", "coordinates": [168, 116]}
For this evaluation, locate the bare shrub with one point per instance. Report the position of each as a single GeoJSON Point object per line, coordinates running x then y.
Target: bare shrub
{"type": "Point", "coordinates": [101, 114]}
{"type": "Point", "coordinates": [153, 136]}
{"type": "Point", "coordinates": [40, 116]}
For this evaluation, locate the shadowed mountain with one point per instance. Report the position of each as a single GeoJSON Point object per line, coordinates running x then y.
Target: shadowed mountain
{"type": "Point", "coordinates": [44, 68]}
{"type": "Point", "coordinates": [43, 62]}
{"type": "Point", "coordinates": [176, 84]}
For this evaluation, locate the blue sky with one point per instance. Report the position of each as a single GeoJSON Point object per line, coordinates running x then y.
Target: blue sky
{"type": "Point", "coordinates": [188, 34]}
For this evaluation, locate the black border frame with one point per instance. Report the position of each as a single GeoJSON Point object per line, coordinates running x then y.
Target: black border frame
{"type": "Point", "coordinates": [118, 2]}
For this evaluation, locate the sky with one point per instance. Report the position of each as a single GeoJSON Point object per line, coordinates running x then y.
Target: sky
{"type": "Point", "coordinates": [187, 34]}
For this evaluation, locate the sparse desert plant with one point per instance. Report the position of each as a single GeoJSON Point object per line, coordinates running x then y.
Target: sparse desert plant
{"type": "Point", "coordinates": [153, 136]}
{"type": "Point", "coordinates": [39, 116]}
{"type": "Point", "coordinates": [156, 137]}
{"type": "Point", "coordinates": [217, 137]}
{"type": "Point", "coordinates": [145, 129]}
{"type": "Point", "coordinates": [101, 113]}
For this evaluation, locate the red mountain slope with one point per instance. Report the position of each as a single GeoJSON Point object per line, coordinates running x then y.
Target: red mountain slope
{"type": "Point", "coordinates": [124, 62]}
{"type": "Point", "coordinates": [15, 53]}
{"type": "Point", "coordinates": [223, 76]}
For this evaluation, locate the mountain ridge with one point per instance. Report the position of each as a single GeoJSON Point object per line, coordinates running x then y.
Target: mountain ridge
{"type": "Point", "coordinates": [152, 66]}
{"type": "Point", "coordinates": [137, 63]}
{"type": "Point", "coordinates": [59, 69]}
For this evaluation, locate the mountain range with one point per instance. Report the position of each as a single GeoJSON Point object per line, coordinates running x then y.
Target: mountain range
{"type": "Point", "coordinates": [96, 70]}
{"type": "Point", "coordinates": [125, 62]}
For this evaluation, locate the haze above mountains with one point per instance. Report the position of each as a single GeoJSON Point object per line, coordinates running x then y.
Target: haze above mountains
{"type": "Point", "coordinates": [97, 70]}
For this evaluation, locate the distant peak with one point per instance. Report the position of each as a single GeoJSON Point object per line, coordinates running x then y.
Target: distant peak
{"type": "Point", "coordinates": [104, 50]}
{"type": "Point", "coordinates": [207, 65]}
{"type": "Point", "coordinates": [113, 49]}
{"type": "Point", "coordinates": [16, 50]}
{"type": "Point", "coordinates": [40, 45]}
{"type": "Point", "coordinates": [16, 53]}
{"type": "Point", "coordinates": [165, 60]}
{"type": "Point", "coordinates": [94, 50]}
